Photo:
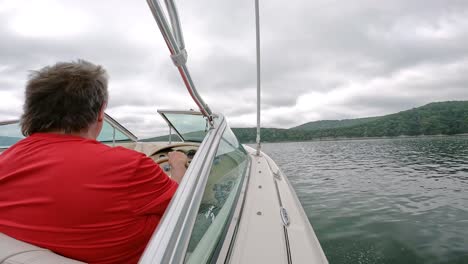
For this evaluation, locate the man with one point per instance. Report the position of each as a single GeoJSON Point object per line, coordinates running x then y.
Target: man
{"type": "Point", "coordinates": [61, 189]}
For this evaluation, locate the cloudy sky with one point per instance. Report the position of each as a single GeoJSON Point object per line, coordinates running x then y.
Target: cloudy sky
{"type": "Point", "coordinates": [321, 59]}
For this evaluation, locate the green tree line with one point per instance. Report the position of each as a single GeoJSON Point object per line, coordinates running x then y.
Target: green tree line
{"type": "Point", "coordinates": [441, 118]}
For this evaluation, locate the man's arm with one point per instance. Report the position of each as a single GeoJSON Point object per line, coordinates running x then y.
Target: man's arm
{"type": "Point", "coordinates": [150, 189]}
{"type": "Point", "coordinates": [178, 162]}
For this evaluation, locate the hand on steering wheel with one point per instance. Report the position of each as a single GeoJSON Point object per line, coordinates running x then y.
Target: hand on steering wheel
{"type": "Point", "coordinates": [178, 159]}
{"type": "Point", "coordinates": [175, 158]}
{"type": "Point", "coordinates": [162, 160]}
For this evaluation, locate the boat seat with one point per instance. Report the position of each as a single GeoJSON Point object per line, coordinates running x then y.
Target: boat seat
{"type": "Point", "coordinates": [13, 251]}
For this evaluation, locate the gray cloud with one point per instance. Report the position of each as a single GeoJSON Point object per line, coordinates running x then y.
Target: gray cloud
{"type": "Point", "coordinates": [321, 59]}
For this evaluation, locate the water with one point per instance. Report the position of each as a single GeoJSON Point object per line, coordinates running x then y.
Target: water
{"type": "Point", "coordinates": [383, 201]}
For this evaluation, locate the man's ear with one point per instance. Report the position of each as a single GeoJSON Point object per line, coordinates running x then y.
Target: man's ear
{"type": "Point", "coordinates": [101, 113]}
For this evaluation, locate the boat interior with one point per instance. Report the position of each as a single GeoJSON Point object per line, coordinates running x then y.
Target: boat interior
{"type": "Point", "coordinates": [232, 206]}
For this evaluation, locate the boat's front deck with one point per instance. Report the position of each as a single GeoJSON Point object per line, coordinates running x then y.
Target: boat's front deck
{"type": "Point", "coordinates": [265, 235]}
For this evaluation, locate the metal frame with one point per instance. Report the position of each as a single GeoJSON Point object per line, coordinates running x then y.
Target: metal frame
{"type": "Point", "coordinates": [178, 112]}
{"type": "Point", "coordinates": [176, 45]}
{"type": "Point", "coordinates": [170, 240]}
{"type": "Point", "coordinates": [175, 22]}
{"type": "Point", "coordinates": [171, 127]}
{"type": "Point", "coordinates": [182, 112]}
{"type": "Point", "coordinates": [122, 129]}
{"type": "Point", "coordinates": [257, 34]}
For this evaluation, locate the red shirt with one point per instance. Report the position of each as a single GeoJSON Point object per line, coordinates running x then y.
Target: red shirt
{"type": "Point", "coordinates": [81, 198]}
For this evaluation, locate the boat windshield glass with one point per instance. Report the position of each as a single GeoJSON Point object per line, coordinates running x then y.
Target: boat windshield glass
{"type": "Point", "coordinates": [10, 133]}
{"type": "Point", "coordinates": [219, 200]}
{"type": "Point", "coordinates": [190, 126]}
{"type": "Point", "coordinates": [107, 134]}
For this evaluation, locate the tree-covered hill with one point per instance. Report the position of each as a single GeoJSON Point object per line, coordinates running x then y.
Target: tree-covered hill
{"type": "Point", "coordinates": [445, 118]}
{"type": "Point", "coordinates": [324, 124]}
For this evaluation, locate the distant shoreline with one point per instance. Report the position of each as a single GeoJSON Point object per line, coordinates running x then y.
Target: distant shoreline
{"type": "Point", "coordinates": [433, 119]}
{"type": "Point", "coordinates": [363, 138]}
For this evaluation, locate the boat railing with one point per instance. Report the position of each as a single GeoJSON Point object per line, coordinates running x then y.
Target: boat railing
{"type": "Point", "coordinates": [173, 36]}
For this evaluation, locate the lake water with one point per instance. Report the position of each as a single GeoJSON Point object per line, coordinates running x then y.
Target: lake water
{"type": "Point", "coordinates": [384, 200]}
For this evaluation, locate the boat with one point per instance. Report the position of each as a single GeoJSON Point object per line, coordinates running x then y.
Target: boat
{"type": "Point", "coordinates": [234, 204]}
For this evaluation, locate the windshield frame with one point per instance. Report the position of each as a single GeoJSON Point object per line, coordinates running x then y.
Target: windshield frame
{"type": "Point", "coordinates": [163, 113]}
{"type": "Point", "coordinates": [171, 238]}
{"type": "Point", "coordinates": [116, 125]}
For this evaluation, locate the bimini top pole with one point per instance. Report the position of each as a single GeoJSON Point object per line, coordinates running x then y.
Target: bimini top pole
{"type": "Point", "coordinates": [175, 42]}
{"type": "Point", "coordinates": [257, 23]}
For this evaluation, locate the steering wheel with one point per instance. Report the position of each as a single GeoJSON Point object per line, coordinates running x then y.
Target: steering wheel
{"type": "Point", "coordinates": [169, 148]}
{"type": "Point", "coordinates": [161, 160]}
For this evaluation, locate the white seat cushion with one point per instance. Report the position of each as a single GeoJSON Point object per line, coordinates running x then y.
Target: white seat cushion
{"type": "Point", "coordinates": [13, 251]}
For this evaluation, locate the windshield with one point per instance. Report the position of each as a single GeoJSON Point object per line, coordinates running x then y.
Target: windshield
{"type": "Point", "coordinates": [189, 125]}
{"type": "Point", "coordinates": [10, 133]}
{"type": "Point", "coordinates": [219, 199]}
{"type": "Point", "coordinates": [107, 134]}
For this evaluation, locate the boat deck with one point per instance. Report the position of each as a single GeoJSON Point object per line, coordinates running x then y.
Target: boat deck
{"type": "Point", "coordinates": [265, 235]}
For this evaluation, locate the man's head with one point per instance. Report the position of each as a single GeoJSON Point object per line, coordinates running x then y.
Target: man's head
{"type": "Point", "coordinates": [68, 97]}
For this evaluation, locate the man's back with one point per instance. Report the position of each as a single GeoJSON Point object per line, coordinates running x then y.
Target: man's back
{"type": "Point", "coordinates": [80, 198]}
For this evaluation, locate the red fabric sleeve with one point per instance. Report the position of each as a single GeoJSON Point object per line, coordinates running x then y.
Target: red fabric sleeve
{"type": "Point", "coordinates": [151, 189]}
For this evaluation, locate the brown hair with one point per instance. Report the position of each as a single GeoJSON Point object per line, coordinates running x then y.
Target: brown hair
{"type": "Point", "coordinates": [67, 96]}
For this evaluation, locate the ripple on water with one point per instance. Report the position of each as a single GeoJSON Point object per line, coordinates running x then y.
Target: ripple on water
{"type": "Point", "coordinates": [383, 201]}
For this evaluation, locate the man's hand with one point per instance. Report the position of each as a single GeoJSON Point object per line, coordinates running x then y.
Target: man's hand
{"type": "Point", "coordinates": [178, 162]}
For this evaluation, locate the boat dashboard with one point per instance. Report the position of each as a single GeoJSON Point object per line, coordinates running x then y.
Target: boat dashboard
{"type": "Point", "coordinates": [159, 151]}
